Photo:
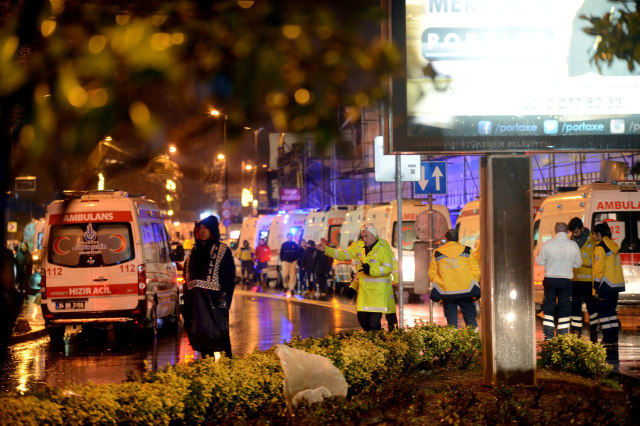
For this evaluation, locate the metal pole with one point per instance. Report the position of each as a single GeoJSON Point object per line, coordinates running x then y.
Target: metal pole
{"type": "Point", "coordinates": [400, 283]}
{"type": "Point", "coordinates": [430, 252]}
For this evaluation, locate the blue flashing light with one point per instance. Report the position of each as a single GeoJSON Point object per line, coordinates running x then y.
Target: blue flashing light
{"type": "Point", "coordinates": [293, 230]}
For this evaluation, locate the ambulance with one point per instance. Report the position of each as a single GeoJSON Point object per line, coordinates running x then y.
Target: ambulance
{"type": "Point", "coordinates": [325, 223]}
{"type": "Point", "coordinates": [283, 224]}
{"type": "Point", "coordinates": [106, 260]}
{"type": "Point", "coordinates": [385, 219]}
{"type": "Point", "coordinates": [618, 204]}
{"type": "Point", "coordinates": [349, 232]}
{"type": "Point", "coordinates": [254, 228]}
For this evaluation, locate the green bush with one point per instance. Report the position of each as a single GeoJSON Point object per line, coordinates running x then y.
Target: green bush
{"type": "Point", "coordinates": [574, 355]}
{"type": "Point", "coordinates": [249, 389]}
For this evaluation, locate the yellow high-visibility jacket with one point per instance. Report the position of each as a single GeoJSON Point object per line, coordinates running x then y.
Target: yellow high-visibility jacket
{"type": "Point", "coordinates": [375, 293]}
{"type": "Point", "coordinates": [454, 272]}
{"type": "Point", "coordinates": [607, 267]}
{"type": "Point", "coordinates": [584, 272]}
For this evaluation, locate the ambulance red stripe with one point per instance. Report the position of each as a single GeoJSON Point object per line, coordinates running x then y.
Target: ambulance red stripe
{"type": "Point", "coordinates": [83, 217]}
{"type": "Point", "coordinates": [93, 290]}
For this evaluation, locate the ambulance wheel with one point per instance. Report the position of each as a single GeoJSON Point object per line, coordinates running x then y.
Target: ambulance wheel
{"type": "Point", "coordinates": [414, 298]}
{"type": "Point", "coordinates": [56, 335]}
{"type": "Point", "coordinates": [174, 319]}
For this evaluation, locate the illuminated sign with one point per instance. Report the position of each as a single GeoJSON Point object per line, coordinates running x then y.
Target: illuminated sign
{"type": "Point", "coordinates": [504, 75]}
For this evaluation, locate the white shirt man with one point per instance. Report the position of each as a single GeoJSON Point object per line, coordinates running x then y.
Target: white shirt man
{"type": "Point", "coordinates": [558, 256]}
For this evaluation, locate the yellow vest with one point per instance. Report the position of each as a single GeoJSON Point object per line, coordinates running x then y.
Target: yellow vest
{"type": "Point", "coordinates": [454, 272]}
{"type": "Point", "coordinates": [584, 272]}
{"type": "Point", "coordinates": [607, 267]}
{"type": "Point", "coordinates": [375, 293]}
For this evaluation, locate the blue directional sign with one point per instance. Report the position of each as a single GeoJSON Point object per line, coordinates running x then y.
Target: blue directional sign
{"type": "Point", "coordinates": [433, 178]}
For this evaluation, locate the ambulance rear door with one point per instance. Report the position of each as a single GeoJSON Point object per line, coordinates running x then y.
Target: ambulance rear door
{"type": "Point", "coordinates": [621, 211]}
{"type": "Point", "coordinates": [91, 263]}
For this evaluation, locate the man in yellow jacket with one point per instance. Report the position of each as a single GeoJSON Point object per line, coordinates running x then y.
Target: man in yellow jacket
{"type": "Point", "coordinates": [455, 276]}
{"type": "Point", "coordinates": [373, 285]}
{"type": "Point", "coordinates": [581, 285]}
{"type": "Point", "coordinates": [608, 283]}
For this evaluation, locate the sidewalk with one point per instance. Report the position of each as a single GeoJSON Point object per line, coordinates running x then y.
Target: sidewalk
{"type": "Point", "coordinates": [30, 323]}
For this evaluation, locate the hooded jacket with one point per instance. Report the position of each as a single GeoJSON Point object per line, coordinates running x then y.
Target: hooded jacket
{"type": "Point", "coordinates": [607, 267]}
{"type": "Point", "coordinates": [586, 244]}
{"type": "Point", "coordinates": [454, 272]}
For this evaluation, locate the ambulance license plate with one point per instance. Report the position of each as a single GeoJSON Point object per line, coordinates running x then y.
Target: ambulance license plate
{"type": "Point", "coordinates": [70, 305]}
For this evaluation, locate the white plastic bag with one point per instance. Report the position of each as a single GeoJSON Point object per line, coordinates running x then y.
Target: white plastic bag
{"type": "Point", "coordinates": [309, 377]}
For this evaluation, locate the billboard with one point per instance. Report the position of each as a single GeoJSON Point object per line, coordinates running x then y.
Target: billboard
{"type": "Point", "coordinates": [504, 75]}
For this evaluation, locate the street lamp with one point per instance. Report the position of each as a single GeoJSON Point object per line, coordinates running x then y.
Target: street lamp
{"type": "Point", "coordinates": [218, 114]}
{"type": "Point", "coordinates": [256, 132]}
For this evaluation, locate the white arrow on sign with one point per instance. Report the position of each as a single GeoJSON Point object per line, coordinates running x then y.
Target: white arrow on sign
{"type": "Point", "coordinates": [423, 183]}
{"type": "Point", "coordinates": [437, 174]}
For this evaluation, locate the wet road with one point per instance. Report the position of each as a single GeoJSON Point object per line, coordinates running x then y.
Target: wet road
{"type": "Point", "coordinates": [258, 321]}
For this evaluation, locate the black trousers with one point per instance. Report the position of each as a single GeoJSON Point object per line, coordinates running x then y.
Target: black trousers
{"type": "Point", "coordinates": [582, 291]}
{"type": "Point", "coordinates": [557, 293]}
{"type": "Point", "coordinates": [370, 320]}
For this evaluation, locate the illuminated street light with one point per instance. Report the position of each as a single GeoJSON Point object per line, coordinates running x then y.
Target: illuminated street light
{"type": "Point", "coordinates": [172, 149]}
{"type": "Point", "coordinates": [217, 114]}
{"type": "Point", "coordinates": [256, 132]}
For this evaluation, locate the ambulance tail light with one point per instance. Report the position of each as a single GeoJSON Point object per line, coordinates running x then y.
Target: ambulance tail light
{"type": "Point", "coordinates": [142, 280]}
{"type": "Point", "coordinates": [43, 286]}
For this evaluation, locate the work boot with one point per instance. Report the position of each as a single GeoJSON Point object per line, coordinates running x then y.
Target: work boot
{"type": "Point", "coordinates": [612, 353]}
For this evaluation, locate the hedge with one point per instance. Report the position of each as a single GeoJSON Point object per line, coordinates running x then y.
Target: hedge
{"type": "Point", "coordinates": [241, 389]}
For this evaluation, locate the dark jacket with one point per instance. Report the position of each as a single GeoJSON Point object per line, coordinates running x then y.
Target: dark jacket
{"type": "Point", "coordinates": [322, 264]}
{"type": "Point", "coordinates": [289, 251]}
{"type": "Point", "coordinates": [307, 258]}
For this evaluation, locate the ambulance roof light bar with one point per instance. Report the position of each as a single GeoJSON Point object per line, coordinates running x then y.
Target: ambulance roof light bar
{"type": "Point", "coordinates": [105, 193]}
{"type": "Point", "coordinates": [626, 184]}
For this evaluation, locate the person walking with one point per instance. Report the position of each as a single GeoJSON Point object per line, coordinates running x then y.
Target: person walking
{"type": "Point", "coordinates": [455, 274]}
{"type": "Point", "coordinates": [322, 266]}
{"type": "Point", "coordinates": [289, 255]}
{"type": "Point", "coordinates": [558, 256]}
{"type": "Point", "coordinates": [581, 286]}
{"type": "Point", "coordinates": [608, 282]}
{"type": "Point", "coordinates": [263, 256]}
{"type": "Point", "coordinates": [307, 266]}
{"type": "Point", "coordinates": [211, 275]}
{"type": "Point", "coordinates": [24, 268]}
{"type": "Point", "coordinates": [374, 278]}
{"type": "Point", "coordinates": [245, 255]}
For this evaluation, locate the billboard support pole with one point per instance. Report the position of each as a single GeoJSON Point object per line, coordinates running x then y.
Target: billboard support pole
{"type": "Point", "coordinates": [400, 285]}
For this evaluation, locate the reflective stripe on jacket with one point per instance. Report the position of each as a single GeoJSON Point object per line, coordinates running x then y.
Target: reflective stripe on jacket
{"type": "Point", "coordinates": [584, 272]}
{"type": "Point", "coordinates": [607, 267]}
{"type": "Point", "coordinates": [375, 293]}
{"type": "Point", "coordinates": [454, 272]}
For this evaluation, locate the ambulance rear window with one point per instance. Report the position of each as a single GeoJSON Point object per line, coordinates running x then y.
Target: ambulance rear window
{"type": "Point", "coordinates": [408, 234]}
{"type": "Point", "coordinates": [86, 245]}
{"type": "Point", "coordinates": [625, 228]}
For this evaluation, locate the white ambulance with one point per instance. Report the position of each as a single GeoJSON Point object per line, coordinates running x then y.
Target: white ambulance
{"type": "Point", "coordinates": [283, 224]}
{"type": "Point", "coordinates": [616, 203]}
{"type": "Point", "coordinates": [254, 228]}
{"type": "Point", "coordinates": [106, 260]}
{"type": "Point", "coordinates": [326, 223]}
{"type": "Point", "coordinates": [349, 232]}
{"type": "Point", "coordinates": [385, 219]}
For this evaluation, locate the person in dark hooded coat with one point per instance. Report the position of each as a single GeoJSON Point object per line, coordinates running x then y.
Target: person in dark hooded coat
{"type": "Point", "coordinates": [210, 282]}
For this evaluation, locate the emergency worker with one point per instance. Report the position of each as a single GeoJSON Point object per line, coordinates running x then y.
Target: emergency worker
{"type": "Point", "coordinates": [581, 286]}
{"type": "Point", "coordinates": [608, 283]}
{"type": "Point", "coordinates": [559, 256]}
{"type": "Point", "coordinates": [245, 255]}
{"type": "Point", "coordinates": [373, 287]}
{"type": "Point", "coordinates": [263, 256]}
{"type": "Point", "coordinates": [289, 255]}
{"type": "Point", "coordinates": [455, 274]}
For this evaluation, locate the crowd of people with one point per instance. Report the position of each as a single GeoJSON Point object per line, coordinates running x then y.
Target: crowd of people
{"type": "Point", "coordinates": [581, 266]}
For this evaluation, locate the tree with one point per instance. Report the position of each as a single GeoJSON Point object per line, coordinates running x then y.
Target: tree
{"type": "Point", "coordinates": [618, 35]}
